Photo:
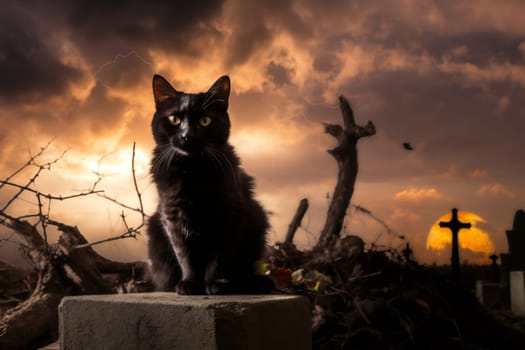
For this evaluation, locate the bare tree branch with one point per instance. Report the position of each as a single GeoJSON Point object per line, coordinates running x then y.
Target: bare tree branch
{"type": "Point", "coordinates": [102, 194]}
{"type": "Point", "coordinates": [28, 163]}
{"type": "Point", "coordinates": [63, 268]}
{"type": "Point", "coordinates": [296, 221]}
{"type": "Point", "coordinates": [43, 215]}
{"type": "Point", "coordinates": [47, 195]}
{"type": "Point", "coordinates": [139, 195]}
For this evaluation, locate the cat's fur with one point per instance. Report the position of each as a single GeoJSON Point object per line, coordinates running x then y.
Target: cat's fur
{"type": "Point", "coordinates": [208, 230]}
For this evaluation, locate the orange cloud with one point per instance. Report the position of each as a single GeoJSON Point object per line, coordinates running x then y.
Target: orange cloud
{"type": "Point", "coordinates": [492, 72]}
{"type": "Point", "coordinates": [478, 173]}
{"type": "Point", "coordinates": [414, 194]}
{"type": "Point", "coordinates": [495, 189]}
{"type": "Point", "coordinates": [403, 215]}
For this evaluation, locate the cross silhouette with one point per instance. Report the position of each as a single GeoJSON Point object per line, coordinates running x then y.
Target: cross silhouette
{"type": "Point", "coordinates": [455, 225]}
{"type": "Point", "coordinates": [494, 268]}
{"type": "Point", "coordinates": [407, 253]}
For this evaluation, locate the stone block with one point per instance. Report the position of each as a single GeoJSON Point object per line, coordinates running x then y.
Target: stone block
{"type": "Point", "coordinates": [52, 346]}
{"type": "Point", "coordinates": [490, 294]}
{"type": "Point", "coordinates": [170, 321]}
{"type": "Point", "coordinates": [517, 292]}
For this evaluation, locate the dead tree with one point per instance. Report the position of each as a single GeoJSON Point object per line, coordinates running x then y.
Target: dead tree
{"type": "Point", "coordinates": [345, 153]}
{"type": "Point", "coordinates": [296, 221]}
{"type": "Point", "coordinates": [68, 267]}
{"type": "Point", "coordinates": [329, 246]}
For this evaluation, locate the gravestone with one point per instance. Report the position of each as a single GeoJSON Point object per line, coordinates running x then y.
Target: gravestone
{"type": "Point", "coordinates": [515, 259]}
{"type": "Point", "coordinates": [455, 225]}
{"type": "Point", "coordinates": [491, 293]}
{"type": "Point", "coordinates": [517, 292]}
{"type": "Point", "coordinates": [513, 264]}
{"type": "Point", "coordinates": [494, 269]}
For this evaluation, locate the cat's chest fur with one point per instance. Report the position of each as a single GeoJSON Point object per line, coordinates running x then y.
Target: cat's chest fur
{"type": "Point", "coordinates": [195, 203]}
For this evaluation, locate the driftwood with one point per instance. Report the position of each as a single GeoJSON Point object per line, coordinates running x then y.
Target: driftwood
{"type": "Point", "coordinates": [67, 267]}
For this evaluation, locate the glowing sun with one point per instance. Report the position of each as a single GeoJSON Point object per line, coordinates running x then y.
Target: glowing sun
{"type": "Point", "coordinates": [474, 239]}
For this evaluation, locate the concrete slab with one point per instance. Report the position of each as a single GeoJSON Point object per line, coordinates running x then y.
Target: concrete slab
{"type": "Point", "coordinates": [52, 346]}
{"type": "Point", "coordinates": [170, 321]}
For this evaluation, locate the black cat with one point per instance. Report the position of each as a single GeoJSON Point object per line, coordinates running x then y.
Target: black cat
{"type": "Point", "coordinates": [208, 230]}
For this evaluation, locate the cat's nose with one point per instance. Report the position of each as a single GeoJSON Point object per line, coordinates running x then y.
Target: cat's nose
{"type": "Point", "coordinates": [186, 138]}
{"type": "Point", "coordinates": [187, 141]}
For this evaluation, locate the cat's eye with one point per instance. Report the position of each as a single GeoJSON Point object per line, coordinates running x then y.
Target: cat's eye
{"type": "Point", "coordinates": [205, 121]}
{"type": "Point", "coordinates": [174, 120]}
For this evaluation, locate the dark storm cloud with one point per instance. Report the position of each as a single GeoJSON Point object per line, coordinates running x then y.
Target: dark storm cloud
{"type": "Point", "coordinates": [279, 74]}
{"type": "Point", "coordinates": [327, 62]}
{"type": "Point", "coordinates": [255, 23]}
{"type": "Point", "coordinates": [30, 69]}
{"type": "Point", "coordinates": [179, 27]}
{"type": "Point", "coordinates": [445, 76]}
{"type": "Point", "coordinates": [99, 115]}
{"type": "Point", "coordinates": [446, 121]}
{"type": "Point", "coordinates": [125, 72]}
{"type": "Point", "coordinates": [479, 48]}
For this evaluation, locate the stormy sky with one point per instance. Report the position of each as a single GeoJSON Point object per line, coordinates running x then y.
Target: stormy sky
{"type": "Point", "coordinates": [446, 76]}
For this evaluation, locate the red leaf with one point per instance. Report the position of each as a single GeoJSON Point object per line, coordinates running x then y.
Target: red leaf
{"type": "Point", "coordinates": [282, 277]}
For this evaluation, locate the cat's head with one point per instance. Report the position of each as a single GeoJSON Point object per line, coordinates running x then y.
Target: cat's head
{"type": "Point", "coordinates": [189, 124]}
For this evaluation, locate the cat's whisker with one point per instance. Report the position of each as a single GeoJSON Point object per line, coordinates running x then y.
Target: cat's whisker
{"type": "Point", "coordinates": [211, 161]}
{"type": "Point", "coordinates": [225, 164]}
{"type": "Point", "coordinates": [233, 170]}
{"type": "Point", "coordinates": [172, 154]}
{"type": "Point", "coordinates": [158, 159]}
{"type": "Point", "coordinates": [214, 158]}
{"type": "Point", "coordinates": [180, 151]}
{"type": "Point", "coordinates": [163, 161]}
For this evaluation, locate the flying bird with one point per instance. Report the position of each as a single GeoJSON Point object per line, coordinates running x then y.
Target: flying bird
{"type": "Point", "coordinates": [408, 146]}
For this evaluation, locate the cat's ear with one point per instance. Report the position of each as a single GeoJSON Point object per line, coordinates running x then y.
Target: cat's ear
{"type": "Point", "coordinates": [162, 89]}
{"type": "Point", "coordinates": [221, 89]}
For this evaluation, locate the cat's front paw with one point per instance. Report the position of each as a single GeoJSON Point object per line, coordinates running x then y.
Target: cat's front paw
{"type": "Point", "coordinates": [219, 286]}
{"type": "Point", "coordinates": [189, 287]}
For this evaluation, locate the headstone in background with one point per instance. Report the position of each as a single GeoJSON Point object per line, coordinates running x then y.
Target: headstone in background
{"type": "Point", "coordinates": [514, 260]}
{"type": "Point", "coordinates": [494, 269]}
{"type": "Point", "coordinates": [517, 292]}
{"type": "Point", "coordinates": [490, 294]}
{"type": "Point", "coordinates": [516, 240]}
